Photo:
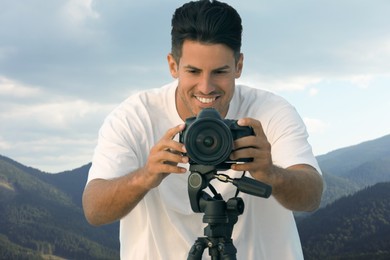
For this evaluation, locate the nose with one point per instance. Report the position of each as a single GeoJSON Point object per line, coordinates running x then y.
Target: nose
{"type": "Point", "coordinates": [206, 85]}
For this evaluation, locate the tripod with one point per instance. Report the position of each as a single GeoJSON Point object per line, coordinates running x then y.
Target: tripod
{"type": "Point", "coordinates": [220, 216]}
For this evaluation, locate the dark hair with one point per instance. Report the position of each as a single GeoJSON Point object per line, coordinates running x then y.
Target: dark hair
{"type": "Point", "coordinates": [206, 21]}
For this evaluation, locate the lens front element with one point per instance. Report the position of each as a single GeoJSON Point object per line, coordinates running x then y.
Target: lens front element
{"type": "Point", "coordinates": [208, 141]}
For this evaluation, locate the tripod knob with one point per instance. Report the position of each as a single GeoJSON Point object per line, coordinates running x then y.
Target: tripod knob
{"type": "Point", "coordinates": [195, 180]}
{"type": "Point", "coordinates": [235, 205]}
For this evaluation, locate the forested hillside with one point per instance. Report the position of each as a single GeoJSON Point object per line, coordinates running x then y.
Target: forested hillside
{"type": "Point", "coordinates": [38, 219]}
{"type": "Point", "coordinates": [354, 227]}
{"type": "Point", "coordinates": [41, 215]}
{"type": "Point", "coordinates": [351, 169]}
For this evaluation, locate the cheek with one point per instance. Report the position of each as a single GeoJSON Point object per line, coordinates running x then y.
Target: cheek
{"type": "Point", "coordinates": [228, 86]}
{"type": "Point", "coordinates": [185, 84]}
{"type": "Point", "coordinates": [183, 89]}
{"type": "Point", "coordinates": [228, 92]}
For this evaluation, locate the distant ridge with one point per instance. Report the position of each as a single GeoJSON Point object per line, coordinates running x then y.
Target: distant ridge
{"type": "Point", "coordinates": [41, 214]}
{"type": "Point", "coordinates": [350, 169]}
{"type": "Point", "coordinates": [39, 220]}
{"type": "Point", "coordinates": [341, 161]}
{"type": "Point", "coordinates": [354, 227]}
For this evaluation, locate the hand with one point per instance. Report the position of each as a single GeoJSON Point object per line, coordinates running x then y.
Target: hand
{"type": "Point", "coordinates": [164, 158]}
{"type": "Point", "coordinates": [256, 147]}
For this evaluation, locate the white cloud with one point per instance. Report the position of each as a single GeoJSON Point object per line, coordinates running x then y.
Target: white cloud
{"type": "Point", "coordinates": [76, 19]}
{"type": "Point", "coordinates": [313, 91]}
{"type": "Point", "coordinates": [10, 88]}
{"type": "Point", "coordinates": [293, 83]}
{"type": "Point", "coordinates": [55, 153]}
{"type": "Point", "coordinates": [48, 131]}
{"type": "Point", "coordinates": [65, 64]}
{"type": "Point", "coordinates": [52, 136]}
{"type": "Point", "coordinates": [59, 115]}
{"type": "Point", "coordinates": [362, 81]}
{"type": "Point", "coordinates": [4, 145]}
{"type": "Point", "coordinates": [315, 126]}
{"type": "Point", "coordinates": [79, 10]}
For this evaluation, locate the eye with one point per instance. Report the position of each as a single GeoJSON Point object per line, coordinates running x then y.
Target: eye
{"type": "Point", "coordinates": [220, 72]}
{"type": "Point", "coordinates": [193, 71]}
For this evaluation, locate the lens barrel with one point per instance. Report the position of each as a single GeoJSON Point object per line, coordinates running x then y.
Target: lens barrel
{"type": "Point", "coordinates": [208, 141]}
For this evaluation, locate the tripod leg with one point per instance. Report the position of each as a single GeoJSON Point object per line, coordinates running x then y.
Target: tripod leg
{"type": "Point", "coordinates": [227, 250]}
{"type": "Point", "coordinates": [197, 249]}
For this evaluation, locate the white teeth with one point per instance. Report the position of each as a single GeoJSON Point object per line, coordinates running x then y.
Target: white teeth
{"type": "Point", "coordinates": [205, 100]}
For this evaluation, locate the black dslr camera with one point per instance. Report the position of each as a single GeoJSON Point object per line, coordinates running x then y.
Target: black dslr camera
{"type": "Point", "coordinates": [209, 139]}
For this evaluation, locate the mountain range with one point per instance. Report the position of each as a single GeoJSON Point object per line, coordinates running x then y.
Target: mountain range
{"type": "Point", "coordinates": [353, 227]}
{"type": "Point", "coordinates": [350, 169]}
{"type": "Point", "coordinates": [41, 214]}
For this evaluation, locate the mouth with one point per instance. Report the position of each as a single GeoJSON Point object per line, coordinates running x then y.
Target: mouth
{"type": "Point", "coordinates": [204, 100]}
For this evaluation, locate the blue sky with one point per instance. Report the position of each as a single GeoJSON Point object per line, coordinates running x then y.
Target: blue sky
{"type": "Point", "coordinates": [64, 65]}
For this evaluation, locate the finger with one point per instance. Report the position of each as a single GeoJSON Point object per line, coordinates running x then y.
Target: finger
{"type": "Point", "coordinates": [247, 141]}
{"type": "Point", "coordinates": [166, 162]}
{"type": "Point", "coordinates": [169, 146]}
{"type": "Point", "coordinates": [171, 168]}
{"type": "Point", "coordinates": [255, 124]}
{"type": "Point", "coordinates": [167, 142]}
{"type": "Point", "coordinates": [249, 152]}
{"type": "Point", "coordinates": [174, 157]}
{"type": "Point", "coordinates": [172, 132]}
{"type": "Point", "coordinates": [241, 167]}
{"type": "Point", "coordinates": [166, 167]}
{"type": "Point", "coordinates": [171, 161]}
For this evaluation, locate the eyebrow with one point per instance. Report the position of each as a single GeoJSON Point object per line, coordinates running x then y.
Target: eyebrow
{"type": "Point", "coordinates": [195, 68]}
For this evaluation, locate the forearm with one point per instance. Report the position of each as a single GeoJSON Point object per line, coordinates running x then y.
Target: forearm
{"type": "Point", "coordinates": [106, 201]}
{"type": "Point", "coordinates": [298, 188]}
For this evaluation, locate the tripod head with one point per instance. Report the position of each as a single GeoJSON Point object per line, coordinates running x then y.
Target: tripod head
{"type": "Point", "coordinates": [201, 175]}
{"type": "Point", "coordinates": [221, 216]}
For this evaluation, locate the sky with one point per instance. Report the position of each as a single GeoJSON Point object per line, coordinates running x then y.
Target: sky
{"type": "Point", "coordinates": [65, 64]}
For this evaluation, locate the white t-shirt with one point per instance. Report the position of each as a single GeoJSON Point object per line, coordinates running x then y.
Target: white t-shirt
{"type": "Point", "coordinates": [163, 225]}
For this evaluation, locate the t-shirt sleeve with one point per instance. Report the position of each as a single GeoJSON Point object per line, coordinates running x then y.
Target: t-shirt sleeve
{"type": "Point", "coordinates": [289, 139]}
{"type": "Point", "coordinates": [117, 151]}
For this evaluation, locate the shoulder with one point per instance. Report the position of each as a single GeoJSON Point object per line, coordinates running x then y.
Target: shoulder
{"type": "Point", "coordinates": [259, 100]}
{"type": "Point", "coordinates": [143, 102]}
{"type": "Point", "coordinates": [258, 96]}
{"type": "Point", "coordinates": [151, 96]}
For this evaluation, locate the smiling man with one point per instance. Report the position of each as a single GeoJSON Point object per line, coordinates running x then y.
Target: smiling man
{"type": "Point", "coordinates": [207, 74]}
{"type": "Point", "coordinates": [140, 169]}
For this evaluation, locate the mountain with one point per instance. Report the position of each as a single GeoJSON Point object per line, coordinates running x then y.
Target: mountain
{"type": "Point", "coordinates": [40, 219]}
{"type": "Point", "coordinates": [354, 227]}
{"type": "Point", "coordinates": [354, 219]}
{"type": "Point", "coordinates": [71, 182]}
{"type": "Point", "coordinates": [337, 187]}
{"type": "Point", "coordinates": [340, 162]}
{"type": "Point", "coordinates": [370, 172]}
{"type": "Point", "coordinates": [41, 214]}
{"type": "Point", "coordinates": [350, 169]}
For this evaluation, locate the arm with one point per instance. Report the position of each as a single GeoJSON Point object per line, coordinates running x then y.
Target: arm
{"type": "Point", "coordinates": [298, 188]}
{"type": "Point", "coordinates": [105, 201]}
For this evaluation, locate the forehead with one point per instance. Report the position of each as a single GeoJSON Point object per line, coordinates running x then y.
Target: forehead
{"type": "Point", "coordinates": [218, 55]}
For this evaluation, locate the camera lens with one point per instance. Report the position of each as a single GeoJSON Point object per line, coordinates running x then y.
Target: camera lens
{"type": "Point", "coordinates": [208, 141]}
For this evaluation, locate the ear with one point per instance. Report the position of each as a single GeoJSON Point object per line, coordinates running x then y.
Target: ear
{"type": "Point", "coordinates": [173, 66]}
{"type": "Point", "coordinates": [239, 66]}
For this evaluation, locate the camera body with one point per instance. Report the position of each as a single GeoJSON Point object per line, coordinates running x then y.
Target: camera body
{"type": "Point", "coordinates": [209, 139]}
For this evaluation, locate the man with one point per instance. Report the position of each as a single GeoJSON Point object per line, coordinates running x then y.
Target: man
{"type": "Point", "coordinates": [139, 170]}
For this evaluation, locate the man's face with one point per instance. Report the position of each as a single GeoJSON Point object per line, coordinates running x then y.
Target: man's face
{"type": "Point", "coordinates": [206, 74]}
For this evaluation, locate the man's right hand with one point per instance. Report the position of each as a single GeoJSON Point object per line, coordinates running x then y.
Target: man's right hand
{"type": "Point", "coordinates": [164, 158]}
{"type": "Point", "coordinates": [106, 201]}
